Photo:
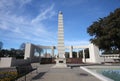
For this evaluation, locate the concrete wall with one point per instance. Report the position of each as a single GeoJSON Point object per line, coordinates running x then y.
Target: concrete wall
{"type": "Point", "coordinates": [94, 55]}
{"type": "Point", "coordinates": [18, 62]}
{"type": "Point", "coordinates": [29, 50]}
{"type": "Point", "coordinates": [5, 62]}
{"type": "Point", "coordinates": [74, 60]}
{"type": "Point", "coordinates": [93, 52]}
{"type": "Point", "coordinates": [110, 57]}
{"type": "Point", "coordinates": [10, 62]}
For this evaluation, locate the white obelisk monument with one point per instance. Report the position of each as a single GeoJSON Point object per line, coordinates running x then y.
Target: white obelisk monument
{"type": "Point", "coordinates": [61, 60]}
{"type": "Point", "coordinates": [61, 47]}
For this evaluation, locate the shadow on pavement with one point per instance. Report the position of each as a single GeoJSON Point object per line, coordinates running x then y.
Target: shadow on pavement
{"type": "Point", "coordinates": [83, 74]}
{"type": "Point", "coordinates": [38, 76]}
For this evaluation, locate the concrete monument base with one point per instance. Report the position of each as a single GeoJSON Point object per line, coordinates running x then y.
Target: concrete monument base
{"type": "Point", "coordinates": [60, 63]}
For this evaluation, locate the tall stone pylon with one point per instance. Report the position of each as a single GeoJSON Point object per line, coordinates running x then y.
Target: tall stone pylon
{"type": "Point", "coordinates": [61, 47]}
{"type": "Point", "coordinates": [61, 60]}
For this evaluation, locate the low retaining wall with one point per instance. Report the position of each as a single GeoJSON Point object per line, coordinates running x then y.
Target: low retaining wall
{"type": "Point", "coordinates": [47, 61]}
{"type": "Point", "coordinates": [68, 60]}
{"type": "Point", "coordinates": [9, 61]}
{"type": "Point", "coordinates": [74, 60]}
{"type": "Point", "coordinates": [5, 62]}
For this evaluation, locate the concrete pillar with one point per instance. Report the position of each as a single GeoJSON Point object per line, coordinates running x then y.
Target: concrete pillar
{"type": "Point", "coordinates": [71, 50]}
{"type": "Point", "coordinates": [78, 54]}
{"type": "Point", "coordinates": [53, 51]}
{"type": "Point", "coordinates": [94, 54]}
{"type": "Point", "coordinates": [29, 51]}
{"type": "Point", "coordinates": [84, 60]}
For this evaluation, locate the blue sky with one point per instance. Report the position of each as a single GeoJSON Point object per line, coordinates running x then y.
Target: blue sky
{"type": "Point", "coordinates": [35, 21]}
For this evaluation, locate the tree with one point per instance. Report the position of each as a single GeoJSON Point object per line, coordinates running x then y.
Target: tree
{"type": "Point", "coordinates": [39, 50]}
{"type": "Point", "coordinates": [74, 54]}
{"type": "Point", "coordinates": [5, 53]}
{"type": "Point", "coordinates": [105, 32]}
{"type": "Point", "coordinates": [22, 46]}
{"type": "Point", "coordinates": [81, 54]}
{"type": "Point", "coordinates": [21, 50]}
{"type": "Point", "coordinates": [19, 54]}
{"type": "Point", "coordinates": [12, 52]}
{"type": "Point", "coordinates": [66, 54]}
{"type": "Point", "coordinates": [1, 45]}
{"type": "Point", "coordinates": [87, 53]}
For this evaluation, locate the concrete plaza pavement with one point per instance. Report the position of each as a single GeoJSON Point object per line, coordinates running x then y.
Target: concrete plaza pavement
{"type": "Point", "coordinates": [46, 73]}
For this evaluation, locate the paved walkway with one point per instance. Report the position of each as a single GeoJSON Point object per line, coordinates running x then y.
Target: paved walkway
{"type": "Point", "coordinates": [46, 73]}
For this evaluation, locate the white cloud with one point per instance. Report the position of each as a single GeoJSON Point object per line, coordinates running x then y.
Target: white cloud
{"type": "Point", "coordinates": [19, 28]}
{"type": "Point", "coordinates": [3, 25]}
{"type": "Point", "coordinates": [8, 6]}
{"type": "Point", "coordinates": [74, 3]}
{"type": "Point", "coordinates": [6, 3]}
{"type": "Point", "coordinates": [45, 14]}
{"type": "Point", "coordinates": [23, 2]}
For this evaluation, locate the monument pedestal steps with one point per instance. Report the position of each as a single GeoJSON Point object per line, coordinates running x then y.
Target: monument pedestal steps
{"type": "Point", "coordinates": [60, 63]}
